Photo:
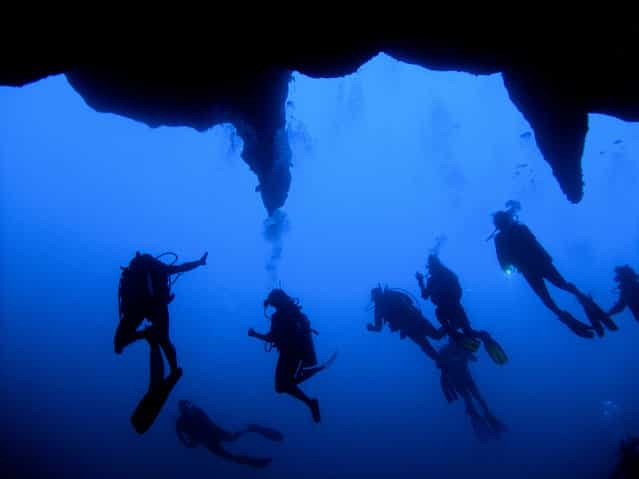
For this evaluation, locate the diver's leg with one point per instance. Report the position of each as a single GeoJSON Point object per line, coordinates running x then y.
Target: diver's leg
{"type": "Point", "coordinates": [496, 425]}
{"type": "Point", "coordinates": [285, 370]}
{"type": "Point", "coordinates": [539, 287]}
{"type": "Point", "coordinates": [474, 391]}
{"type": "Point", "coordinates": [161, 329]}
{"type": "Point", "coordinates": [555, 277]}
{"type": "Point", "coordinates": [425, 346]}
{"type": "Point", "coordinates": [576, 326]}
{"type": "Point", "coordinates": [218, 450]}
{"type": "Point", "coordinates": [126, 332]}
{"type": "Point", "coordinates": [156, 366]}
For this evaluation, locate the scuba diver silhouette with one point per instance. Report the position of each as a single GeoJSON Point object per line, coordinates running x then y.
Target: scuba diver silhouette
{"type": "Point", "coordinates": [445, 292]}
{"type": "Point", "coordinates": [144, 293]}
{"type": "Point", "coordinates": [628, 284]}
{"type": "Point", "coordinates": [398, 310]}
{"type": "Point", "coordinates": [517, 248]}
{"type": "Point", "coordinates": [291, 334]}
{"type": "Point", "coordinates": [457, 381]}
{"type": "Point", "coordinates": [193, 427]}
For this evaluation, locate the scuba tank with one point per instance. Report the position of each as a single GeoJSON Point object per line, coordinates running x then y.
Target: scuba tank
{"type": "Point", "coordinates": [143, 282]}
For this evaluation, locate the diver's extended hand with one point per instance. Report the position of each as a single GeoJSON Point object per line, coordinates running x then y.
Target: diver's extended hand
{"type": "Point", "coordinates": [202, 260]}
{"type": "Point", "coordinates": [371, 327]}
{"type": "Point", "coordinates": [420, 277]}
{"type": "Point", "coordinates": [251, 332]}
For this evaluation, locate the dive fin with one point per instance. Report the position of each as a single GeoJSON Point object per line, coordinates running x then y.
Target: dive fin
{"type": "Point", "coordinates": [497, 426]}
{"type": "Point", "coordinates": [151, 404]}
{"type": "Point", "coordinates": [596, 314]}
{"type": "Point", "coordinates": [482, 429]}
{"type": "Point", "coordinates": [494, 350]}
{"type": "Point", "coordinates": [468, 343]}
{"type": "Point", "coordinates": [576, 326]}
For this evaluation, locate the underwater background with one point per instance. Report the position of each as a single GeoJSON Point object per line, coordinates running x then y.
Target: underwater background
{"type": "Point", "coordinates": [385, 162]}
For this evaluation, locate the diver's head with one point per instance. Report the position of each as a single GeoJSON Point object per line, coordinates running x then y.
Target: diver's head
{"type": "Point", "coordinates": [625, 273]}
{"type": "Point", "coordinates": [433, 262]}
{"type": "Point", "coordinates": [184, 406]}
{"type": "Point", "coordinates": [376, 293]}
{"type": "Point", "coordinates": [503, 219]}
{"type": "Point", "coordinates": [277, 298]}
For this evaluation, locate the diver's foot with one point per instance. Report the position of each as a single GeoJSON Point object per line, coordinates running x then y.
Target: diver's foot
{"type": "Point", "coordinates": [496, 425]}
{"type": "Point", "coordinates": [315, 410]}
{"type": "Point", "coordinates": [176, 372]}
{"type": "Point", "coordinates": [576, 326]}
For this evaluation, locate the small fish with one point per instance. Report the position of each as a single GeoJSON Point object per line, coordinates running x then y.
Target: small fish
{"type": "Point", "coordinates": [618, 142]}
{"type": "Point", "coordinates": [525, 135]}
{"type": "Point", "coordinates": [522, 165]}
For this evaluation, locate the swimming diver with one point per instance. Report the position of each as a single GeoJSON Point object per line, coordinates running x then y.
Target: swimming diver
{"type": "Point", "coordinates": [144, 293]}
{"type": "Point", "coordinates": [399, 311]}
{"type": "Point", "coordinates": [456, 381]}
{"type": "Point", "coordinates": [517, 248]}
{"type": "Point", "coordinates": [445, 292]}
{"type": "Point", "coordinates": [194, 427]}
{"type": "Point", "coordinates": [628, 284]}
{"type": "Point", "coordinates": [291, 334]}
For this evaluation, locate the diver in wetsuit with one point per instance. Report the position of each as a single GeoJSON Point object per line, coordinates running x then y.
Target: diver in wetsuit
{"type": "Point", "coordinates": [291, 334]}
{"type": "Point", "coordinates": [627, 466]}
{"type": "Point", "coordinates": [517, 248]}
{"type": "Point", "coordinates": [628, 283]}
{"type": "Point", "coordinates": [457, 381]}
{"type": "Point", "coordinates": [194, 427]}
{"type": "Point", "coordinates": [445, 292]}
{"type": "Point", "coordinates": [144, 293]}
{"type": "Point", "coordinates": [398, 310]}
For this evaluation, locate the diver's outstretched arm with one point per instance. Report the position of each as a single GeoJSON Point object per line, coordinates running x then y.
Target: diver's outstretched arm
{"type": "Point", "coordinates": [618, 307]}
{"type": "Point", "coordinates": [256, 462]}
{"type": "Point", "coordinates": [424, 290]}
{"type": "Point", "coordinates": [264, 337]}
{"type": "Point", "coordinates": [184, 267]}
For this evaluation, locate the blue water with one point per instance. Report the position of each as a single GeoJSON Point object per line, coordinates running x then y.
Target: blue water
{"type": "Point", "coordinates": [385, 161]}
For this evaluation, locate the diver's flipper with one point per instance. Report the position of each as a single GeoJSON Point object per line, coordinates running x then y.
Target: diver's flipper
{"type": "Point", "coordinates": [266, 432]}
{"type": "Point", "coordinates": [494, 350]}
{"type": "Point", "coordinates": [151, 404]}
{"type": "Point", "coordinates": [497, 426]}
{"type": "Point", "coordinates": [483, 431]}
{"type": "Point", "coordinates": [576, 326]}
{"type": "Point", "coordinates": [469, 343]}
{"type": "Point", "coordinates": [597, 316]}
